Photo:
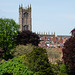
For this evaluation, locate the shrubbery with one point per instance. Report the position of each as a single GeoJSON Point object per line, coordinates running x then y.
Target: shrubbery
{"type": "Point", "coordinates": [37, 61]}
{"type": "Point", "coordinates": [15, 67]}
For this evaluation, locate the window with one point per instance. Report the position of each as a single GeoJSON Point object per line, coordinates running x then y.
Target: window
{"type": "Point", "coordinates": [26, 15]}
{"type": "Point", "coordinates": [25, 27]}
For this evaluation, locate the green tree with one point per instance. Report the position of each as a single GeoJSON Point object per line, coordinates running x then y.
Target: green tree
{"type": "Point", "coordinates": [63, 70]}
{"type": "Point", "coordinates": [56, 67]}
{"type": "Point", "coordinates": [37, 61]}
{"type": "Point", "coordinates": [53, 53]}
{"type": "Point", "coordinates": [8, 32]}
{"type": "Point", "coordinates": [20, 50]}
{"type": "Point", "coordinates": [14, 67]}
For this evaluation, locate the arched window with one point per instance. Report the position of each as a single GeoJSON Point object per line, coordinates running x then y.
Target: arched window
{"type": "Point", "coordinates": [25, 27]}
{"type": "Point", "coordinates": [26, 15]}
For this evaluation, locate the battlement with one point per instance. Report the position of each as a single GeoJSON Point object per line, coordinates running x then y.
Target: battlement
{"type": "Point", "coordinates": [25, 8]}
{"type": "Point", "coordinates": [46, 34]}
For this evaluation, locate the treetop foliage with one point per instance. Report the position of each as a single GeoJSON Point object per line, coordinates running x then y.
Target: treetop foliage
{"type": "Point", "coordinates": [20, 50]}
{"type": "Point", "coordinates": [53, 53]}
{"type": "Point", "coordinates": [8, 32]}
{"type": "Point", "coordinates": [26, 37]}
{"type": "Point", "coordinates": [37, 61]}
{"type": "Point", "coordinates": [69, 53]}
{"type": "Point", "coordinates": [63, 70]}
{"type": "Point", "coordinates": [15, 67]}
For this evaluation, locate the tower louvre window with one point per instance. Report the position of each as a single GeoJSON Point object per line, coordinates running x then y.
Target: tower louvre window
{"type": "Point", "coordinates": [25, 27]}
{"type": "Point", "coordinates": [26, 15]}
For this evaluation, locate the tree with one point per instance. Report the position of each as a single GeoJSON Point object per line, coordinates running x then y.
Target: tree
{"type": "Point", "coordinates": [56, 67]}
{"type": "Point", "coordinates": [63, 70]}
{"type": "Point", "coordinates": [54, 54]}
{"type": "Point", "coordinates": [8, 32]}
{"type": "Point", "coordinates": [20, 50]}
{"type": "Point", "coordinates": [37, 61]}
{"type": "Point", "coordinates": [14, 67]}
{"type": "Point", "coordinates": [26, 37]}
{"type": "Point", "coordinates": [69, 54]}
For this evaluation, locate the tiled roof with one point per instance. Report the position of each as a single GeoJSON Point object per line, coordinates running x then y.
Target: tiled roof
{"type": "Point", "coordinates": [52, 41]}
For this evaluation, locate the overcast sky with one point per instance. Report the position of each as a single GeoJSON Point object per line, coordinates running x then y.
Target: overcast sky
{"type": "Point", "coordinates": [47, 15]}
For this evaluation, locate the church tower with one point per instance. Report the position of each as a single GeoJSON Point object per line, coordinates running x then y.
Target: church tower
{"type": "Point", "coordinates": [25, 18]}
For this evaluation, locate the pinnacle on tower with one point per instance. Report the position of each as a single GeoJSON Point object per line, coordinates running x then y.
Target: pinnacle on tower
{"type": "Point", "coordinates": [30, 5]}
{"type": "Point", "coordinates": [21, 5]}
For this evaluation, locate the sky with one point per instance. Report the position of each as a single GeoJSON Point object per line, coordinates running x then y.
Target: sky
{"type": "Point", "coordinates": [47, 15]}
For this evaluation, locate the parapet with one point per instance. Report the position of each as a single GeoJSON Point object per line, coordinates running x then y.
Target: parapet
{"type": "Point", "coordinates": [24, 8]}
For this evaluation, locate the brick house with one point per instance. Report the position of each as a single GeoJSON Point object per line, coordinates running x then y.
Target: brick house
{"type": "Point", "coordinates": [53, 41]}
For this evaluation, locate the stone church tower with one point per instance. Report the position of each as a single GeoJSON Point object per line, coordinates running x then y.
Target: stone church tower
{"type": "Point", "coordinates": [25, 18]}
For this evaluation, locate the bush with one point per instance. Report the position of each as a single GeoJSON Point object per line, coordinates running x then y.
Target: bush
{"type": "Point", "coordinates": [15, 67]}
{"type": "Point", "coordinates": [26, 37]}
{"type": "Point", "coordinates": [22, 50]}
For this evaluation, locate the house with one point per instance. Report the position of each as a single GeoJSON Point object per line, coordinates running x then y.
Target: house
{"type": "Point", "coordinates": [53, 41]}
{"type": "Point", "coordinates": [73, 32]}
